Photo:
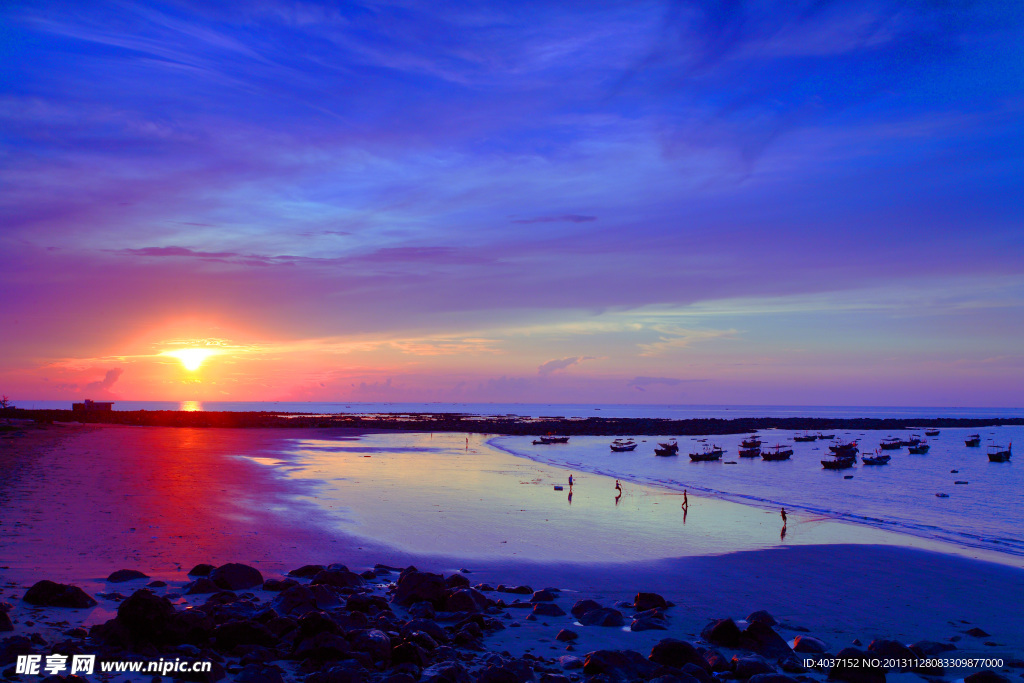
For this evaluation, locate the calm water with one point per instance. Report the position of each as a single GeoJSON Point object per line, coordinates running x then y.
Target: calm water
{"type": "Point", "coordinates": [678, 412]}
{"type": "Point", "coordinates": [985, 513]}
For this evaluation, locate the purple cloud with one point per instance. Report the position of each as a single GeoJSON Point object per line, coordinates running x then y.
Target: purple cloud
{"type": "Point", "coordinates": [566, 218]}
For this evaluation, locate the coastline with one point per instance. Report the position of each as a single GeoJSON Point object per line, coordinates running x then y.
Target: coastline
{"type": "Point", "coordinates": [162, 500]}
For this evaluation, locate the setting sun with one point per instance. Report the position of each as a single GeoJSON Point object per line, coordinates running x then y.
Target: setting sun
{"type": "Point", "coordinates": [191, 359]}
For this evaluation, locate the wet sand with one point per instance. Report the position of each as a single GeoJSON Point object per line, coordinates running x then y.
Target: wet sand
{"type": "Point", "coordinates": [81, 502]}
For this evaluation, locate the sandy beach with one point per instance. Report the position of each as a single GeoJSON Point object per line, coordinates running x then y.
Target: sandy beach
{"type": "Point", "coordinates": [80, 502]}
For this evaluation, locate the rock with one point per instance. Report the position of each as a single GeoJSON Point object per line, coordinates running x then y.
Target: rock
{"type": "Point", "coordinates": [278, 585]}
{"type": "Point", "coordinates": [156, 584]}
{"type": "Point", "coordinates": [717, 661]}
{"type": "Point", "coordinates": [645, 601]}
{"type": "Point", "coordinates": [457, 581]}
{"type": "Point", "coordinates": [50, 594]}
{"type": "Point", "coordinates": [5, 622]}
{"type": "Point", "coordinates": [312, 623]}
{"type": "Point", "coordinates": [295, 601]}
{"type": "Point", "coordinates": [762, 639]}
{"type": "Point", "coordinates": [566, 636]}
{"type": "Point", "coordinates": [583, 606]}
{"type": "Point", "coordinates": [431, 628]}
{"type": "Point", "coordinates": [977, 633]}
{"type": "Point", "coordinates": [986, 676]}
{"type": "Point", "coordinates": [542, 595]}
{"type": "Point", "coordinates": [809, 645]}
{"type": "Point", "coordinates": [497, 674]}
{"type": "Point", "coordinates": [341, 578]}
{"type": "Point", "coordinates": [322, 646]}
{"type": "Point", "coordinates": [422, 610]}
{"type": "Point", "coordinates": [677, 654]}
{"type": "Point", "coordinates": [373, 642]}
{"type": "Point", "coordinates": [723, 632]}
{"type": "Point", "coordinates": [603, 616]}
{"type": "Point", "coordinates": [307, 571]}
{"type": "Point", "coordinates": [234, 576]}
{"type": "Point", "coordinates": [122, 575]}
{"type": "Point", "coordinates": [570, 662]}
{"type": "Point", "coordinates": [445, 672]}
{"type": "Point", "coordinates": [751, 665]}
{"type": "Point", "coordinates": [518, 590]}
{"type": "Point", "coordinates": [409, 653]}
{"type": "Point", "coordinates": [466, 600]}
{"type": "Point", "coordinates": [862, 673]}
{"type": "Point", "coordinates": [243, 632]}
{"type": "Point", "coordinates": [548, 609]}
{"type": "Point", "coordinates": [416, 586]}
{"type": "Point", "coordinates": [623, 665]}
{"type": "Point", "coordinates": [201, 586]}
{"type": "Point", "coordinates": [259, 673]}
{"type": "Point", "coordinates": [649, 624]}
{"type": "Point", "coordinates": [201, 570]}
{"type": "Point", "coordinates": [345, 672]}
{"type": "Point", "coordinates": [146, 617]}
{"type": "Point", "coordinates": [762, 616]}
{"type": "Point", "coordinates": [698, 672]}
{"type": "Point", "coordinates": [891, 649]}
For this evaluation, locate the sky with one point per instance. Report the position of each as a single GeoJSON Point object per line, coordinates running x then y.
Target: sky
{"type": "Point", "coordinates": [777, 202]}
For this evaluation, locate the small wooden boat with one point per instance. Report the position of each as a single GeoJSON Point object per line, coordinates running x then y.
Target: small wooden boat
{"type": "Point", "coordinates": [849, 449]}
{"type": "Point", "coordinates": [805, 438]}
{"type": "Point", "coordinates": [839, 463]}
{"type": "Point", "coordinates": [919, 449]}
{"type": "Point", "coordinates": [973, 441]}
{"type": "Point", "coordinates": [876, 459]}
{"type": "Point", "coordinates": [932, 432]}
{"type": "Point", "coordinates": [750, 452]}
{"type": "Point", "coordinates": [912, 441]}
{"type": "Point", "coordinates": [550, 440]}
{"type": "Point", "coordinates": [623, 445]}
{"type": "Point", "coordinates": [891, 444]}
{"type": "Point", "coordinates": [776, 453]}
{"type": "Point", "coordinates": [751, 442]}
{"type": "Point", "coordinates": [671, 445]}
{"type": "Point", "coordinates": [710, 453]}
{"type": "Point", "coordinates": [1000, 454]}
{"type": "Point", "coordinates": [825, 437]}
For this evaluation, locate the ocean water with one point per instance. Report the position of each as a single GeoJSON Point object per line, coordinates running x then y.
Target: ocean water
{"type": "Point", "coordinates": [675, 412]}
{"type": "Point", "coordinates": [986, 513]}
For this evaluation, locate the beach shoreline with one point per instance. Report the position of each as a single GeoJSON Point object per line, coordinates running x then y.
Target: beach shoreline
{"type": "Point", "coordinates": [206, 497]}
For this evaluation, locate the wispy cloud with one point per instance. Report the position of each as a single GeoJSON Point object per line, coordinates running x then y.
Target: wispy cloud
{"type": "Point", "coordinates": [559, 364]}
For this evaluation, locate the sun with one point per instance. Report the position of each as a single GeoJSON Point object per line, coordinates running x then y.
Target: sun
{"type": "Point", "coordinates": [191, 359]}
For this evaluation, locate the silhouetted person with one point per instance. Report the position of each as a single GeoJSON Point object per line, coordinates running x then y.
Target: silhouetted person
{"type": "Point", "coordinates": [783, 516]}
{"type": "Point", "coordinates": [618, 487]}
{"type": "Point", "coordinates": [618, 498]}
{"type": "Point", "coordinates": [570, 481]}
{"type": "Point", "coordinates": [570, 494]}
{"type": "Point", "coordinates": [686, 502]}
{"type": "Point", "coordinates": [782, 536]}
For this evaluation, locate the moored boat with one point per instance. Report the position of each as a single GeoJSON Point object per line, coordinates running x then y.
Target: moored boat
{"type": "Point", "coordinates": [973, 441]}
{"type": "Point", "coordinates": [839, 463]}
{"type": "Point", "coordinates": [932, 432]}
{"type": "Point", "coordinates": [671, 445]}
{"type": "Point", "coordinates": [751, 442]}
{"type": "Point", "coordinates": [776, 453]}
{"type": "Point", "coordinates": [1000, 454]}
{"type": "Point", "coordinates": [919, 448]}
{"type": "Point", "coordinates": [623, 445]}
{"type": "Point", "coordinates": [750, 452]}
{"type": "Point", "coordinates": [804, 438]}
{"type": "Point", "coordinates": [912, 441]}
{"type": "Point", "coordinates": [666, 452]}
{"type": "Point", "coordinates": [877, 459]}
{"type": "Point", "coordinates": [891, 443]}
{"type": "Point", "coordinates": [848, 449]}
{"type": "Point", "coordinates": [550, 440]}
{"type": "Point", "coordinates": [709, 453]}
{"type": "Point", "coordinates": [825, 437]}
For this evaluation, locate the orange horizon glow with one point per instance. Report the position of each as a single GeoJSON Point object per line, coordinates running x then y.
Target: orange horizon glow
{"type": "Point", "coordinates": [192, 359]}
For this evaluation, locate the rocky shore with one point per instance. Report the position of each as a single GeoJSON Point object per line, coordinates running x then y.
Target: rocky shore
{"type": "Point", "coordinates": [329, 624]}
{"type": "Point", "coordinates": [492, 424]}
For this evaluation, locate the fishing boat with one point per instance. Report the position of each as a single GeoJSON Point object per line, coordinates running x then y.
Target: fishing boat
{"type": "Point", "coordinates": [891, 444]}
{"type": "Point", "coordinates": [751, 442]}
{"type": "Point", "coordinates": [805, 438]}
{"type": "Point", "coordinates": [666, 452]}
{"type": "Point", "coordinates": [623, 445]}
{"type": "Point", "coordinates": [1000, 454]}
{"type": "Point", "coordinates": [550, 440]}
{"type": "Point", "coordinates": [919, 448]}
{"type": "Point", "coordinates": [825, 437]}
{"type": "Point", "coordinates": [877, 459]}
{"type": "Point", "coordinates": [839, 463]}
{"type": "Point", "coordinates": [750, 452]}
{"type": "Point", "coordinates": [709, 453]}
{"type": "Point", "coordinates": [671, 445]}
{"type": "Point", "coordinates": [777, 453]}
{"type": "Point", "coordinates": [932, 432]}
{"type": "Point", "coordinates": [848, 449]}
{"type": "Point", "coordinates": [973, 441]}
{"type": "Point", "coordinates": [912, 441]}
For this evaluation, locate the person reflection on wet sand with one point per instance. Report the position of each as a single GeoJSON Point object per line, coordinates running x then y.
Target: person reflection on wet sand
{"type": "Point", "coordinates": [686, 509]}
{"type": "Point", "coordinates": [570, 495]}
{"type": "Point", "coordinates": [618, 497]}
{"type": "Point", "coordinates": [782, 535]}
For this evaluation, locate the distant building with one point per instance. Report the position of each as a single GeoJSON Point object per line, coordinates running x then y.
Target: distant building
{"type": "Point", "coordinates": [92, 405]}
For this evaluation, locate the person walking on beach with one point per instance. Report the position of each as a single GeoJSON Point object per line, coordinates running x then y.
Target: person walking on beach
{"type": "Point", "coordinates": [686, 503]}
{"type": "Point", "coordinates": [618, 487]}
{"type": "Point", "coordinates": [570, 481]}
{"type": "Point", "coordinates": [783, 516]}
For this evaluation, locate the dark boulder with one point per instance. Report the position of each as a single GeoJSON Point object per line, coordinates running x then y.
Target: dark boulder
{"type": "Point", "coordinates": [547, 609]}
{"type": "Point", "coordinates": [201, 570]}
{"type": "Point", "coordinates": [295, 601]}
{"type": "Point", "coordinates": [146, 617]}
{"type": "Point", "coordinates": [809, 645]}
{"type": "Point", "coordinates": [699, 672]}
{"type": "Point", "coordinates": [323, 647]}
{"type": "Point", "coordinates": [771, 678]}
{"type": "Point", "coordinates": [466, 600]}
{"type": "Point", "coordinates": [891, 649]}
{"type": "Point", "coordinates": [542, 595]}
{"type": "Point", "coordinates": [645, 601]}
{"type": "Point", "coordinates": [431, 628]}
{"type": "Point", "coordinates": [583, 606]}
{"type": "Point", "coordinates": [234, 576]}
{"type": "Point", "coordinates": [604, 616]}
{"type": "Point", "coordinates": [345, 672]}
{"type": "Point", "coordinates": [307, 571]}
{"type": "Point", "coordinates": [723, 632]}
{"type": "Point", "coordinates": [717, 661]}
{"type": "Point", "coordinates": [677, 654]}
{"type": "Point", "coordinates": [201, 586]}
{"type": "Point", "coordinates": [416, 586]}
{"type": "Point", "coordinates": [373, 642]}
{"type": "Point", "coordinates": [750, 665]}
{"type": "Point", "coordinates": [340, 578]}
{"type": "Point", "coordinates": [986, 676]}
{"type": "Point", "coordinates": [762, 617]}
{"type": "Point", "coordinates": [566, 636]}
{"type": "Point", "coordinates": [622, 665]}
{"type": "Point", "coordinates": [50, 594]}
{"type": "Point", "coordinates": [259, 673]}
{"type": "Point", "coordinates": [854, 666]}
{"type": "Point", "coordinates": [409, 653]}
{"type": "Point", "coordinates": [930, 648]}
{"type": "Point", "coordinates": [762, 639]}
{"type": "Point", "coordinates": [445, 672]}
{"type": "Point", "coordinates": [122, 575]}
{"type": "Point", "coordinates": [649, 623]}
{"type": "Point", "coordinates": [244, 632]}
{"type": "Point", "coordinates": [497, 674]}
{"type": "Point", "coordinates": [278, 585]}
{"type": "Point", "coordinates": [457, 581]}
{"type": "Point", "coordinates": [312, 623]}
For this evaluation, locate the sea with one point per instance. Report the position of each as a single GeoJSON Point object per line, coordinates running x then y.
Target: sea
{"type": "Point", "coordinates": [952, 494]}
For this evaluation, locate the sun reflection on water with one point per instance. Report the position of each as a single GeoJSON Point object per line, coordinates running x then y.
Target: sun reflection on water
{"type": "Point", "coordinates": [191, 406]}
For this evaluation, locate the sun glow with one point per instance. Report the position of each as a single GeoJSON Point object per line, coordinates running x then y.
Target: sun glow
{"type": "Point", "coordinates": [192, 359]}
